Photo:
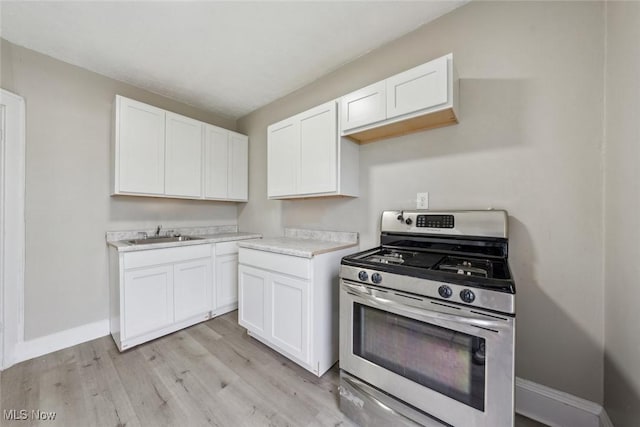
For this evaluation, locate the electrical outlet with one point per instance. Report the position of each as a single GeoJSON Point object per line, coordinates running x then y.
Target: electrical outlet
{"type": "Point", "coordinates": [422, 201]}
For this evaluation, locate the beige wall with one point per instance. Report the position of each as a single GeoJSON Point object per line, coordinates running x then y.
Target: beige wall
{"type": "Point", "coordinates": [68, 207]}
{"type": "Point", "coordinates": [529, 141]}
{"type": "Point", "coordinates": [622, 215]}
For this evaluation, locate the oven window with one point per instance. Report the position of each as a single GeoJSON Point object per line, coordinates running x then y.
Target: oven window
{"type": "Point", "coordinates": [444, 360]}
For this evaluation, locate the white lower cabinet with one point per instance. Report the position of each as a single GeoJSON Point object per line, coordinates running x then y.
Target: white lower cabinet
{"type": "Point", "coordinates": [191, 288]}
{"type": "Point", "coordinates": [252, 300]}
{"type": "Point", "coordinates": [158, 291]}
{"type": "Point", "coordinates": [290, 326]}
{"type": "Point", "coordinates": [226, 271]}
{"type": "Point", "coordinates": [290, 304]}
{"type": "Point", "coordinates": [148, 293]}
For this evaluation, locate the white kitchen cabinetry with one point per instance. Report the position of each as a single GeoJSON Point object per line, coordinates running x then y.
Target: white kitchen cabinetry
{"type": "Point", "coordinates": [148, 293]}
{"type": "Point", "coordinates": [289, 309]}
{"type": "Point", "coordinates": [226, 164]}
{"type": "Point", "coordinates": [226, 270]}
{"type": "Point", "coordinates": [275, 309]}
{"type": "Point", "coordinates": [290, 303]}
{"type": "Point", "coordinates": [283, 154]}
{"type": "Point", "coordinates": [159, 291]}
{"type": "Point", "coordinates": [162, 154]}
{"type": "Point", "coordinates": [139, 148]}
{"type": "Point", "coordinates": [238, 173]}
{"type": "Point", "coordinates": [421, 98]}
{"type": "Point", "coordinates": [183, 162]}
{"type": "Point", "coordinates": [306, 158]}
{"type": "Point", "coordinates": [253, 300]}
{"type": "Point", "coordinates": [192, 285]}
{"type": "Point", "coordinates": [363, 107]}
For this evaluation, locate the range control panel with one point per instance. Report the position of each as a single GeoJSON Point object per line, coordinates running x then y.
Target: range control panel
{"type": "Point", "coordinates": [435, 221]}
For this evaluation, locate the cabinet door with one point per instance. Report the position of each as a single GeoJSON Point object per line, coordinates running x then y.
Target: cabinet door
{"type": "Point", "coordinates": [422, 87]}
{"type": "Point", "coordinates": [216, 167]}
{"type": "Point", "coordinates": [238, 172]}
{"type": "Point", "coordinates": [252, 299]}
{"type": "Point", "coordinates": [283, 157]}
{"type": "Point", "coordinates": [148, 300]}
{"type": "Point", "coordinates": [140, 147]}
{"type": "Point", "coordinates": [192, 284]}
{"type": "Point", "coordinates": [183, 170]}
{"type": "Point", "coordinates": [226, 280]}
{"type": "Point", "coordinates": [318, 150]}
{"type": "Point", "coordinates": [363, 107]}
{"type": "Point", "coordinates": [290, 326]}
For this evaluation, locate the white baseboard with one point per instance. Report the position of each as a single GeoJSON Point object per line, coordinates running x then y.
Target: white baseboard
{"type": "Point", "coordinates": [49, 343]}
{"type": "Point", "coordinates": [556, 408]}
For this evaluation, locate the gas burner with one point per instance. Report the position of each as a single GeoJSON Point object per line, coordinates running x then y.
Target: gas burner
{"type": "Point", "coordinates": [392, 257]}
{"type": "Point", "coordinates": [386, 259]}
{"type": "Point", "coordinates": [465, 267]}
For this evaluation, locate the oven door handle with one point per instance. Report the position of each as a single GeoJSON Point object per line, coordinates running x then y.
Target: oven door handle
{"type": "Point", "coordinates": [431, 313]}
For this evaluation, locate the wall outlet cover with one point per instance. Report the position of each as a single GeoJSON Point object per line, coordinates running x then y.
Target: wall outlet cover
{"type": "Point", "coordinates": [422, 201]}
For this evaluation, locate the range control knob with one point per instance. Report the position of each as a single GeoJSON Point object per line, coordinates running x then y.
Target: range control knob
{"type": "Point", "coordinates": [376, 278]}
{"type": "Point", "coordinates": [445, 291]}
{"type": "Point", "coordinates": [467, 296]}
{"type": "Point", "coordinates": [409, 221]}
{"type": "Point", "coordinates": [363, 276]}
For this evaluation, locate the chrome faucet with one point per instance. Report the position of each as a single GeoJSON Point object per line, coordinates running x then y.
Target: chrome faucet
{"type": "Point", "coordinates": [158, 231]}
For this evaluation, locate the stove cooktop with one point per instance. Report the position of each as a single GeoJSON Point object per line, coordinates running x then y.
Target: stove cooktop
{"type": "Point", "coordinates": [468, 270]}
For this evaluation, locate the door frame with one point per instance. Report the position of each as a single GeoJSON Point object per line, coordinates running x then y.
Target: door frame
{"type": "Point", "coordinates": [12, 225]}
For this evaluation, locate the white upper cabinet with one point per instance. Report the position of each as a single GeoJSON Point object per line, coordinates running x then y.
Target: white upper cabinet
{"type": "Point", "coordinates": [238, 171]}
{"type": "Point", "coordinates": [419, 88]}
{"type": "Point", "coordinates": [162, 154]}
{"type": "Point", "coordinates": [421, 98]}
{"type": "Point", "coordinates": [283, 154]}
{"type": "Point", "coordinates": [183, 156]}
{"type": "Point", "coordinates": [226, 164]}
{"type": "Point", "coordinates": [365, 106]}
{"type": "Point", "coordinates": [306, 158]}
{"type": "Point", "coordinates": [139, 148]}
{"type": "Point", "coordinates": [318, 150]}
{"type": "Point", "coordinates": [216, 153]}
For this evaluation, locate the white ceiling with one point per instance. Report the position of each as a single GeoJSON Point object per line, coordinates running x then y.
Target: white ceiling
{"type": "Point", "coordinates": [226, 57]}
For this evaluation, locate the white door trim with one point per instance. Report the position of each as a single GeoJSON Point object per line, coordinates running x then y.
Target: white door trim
{"type": "Point", "coordinates": [12, 225]}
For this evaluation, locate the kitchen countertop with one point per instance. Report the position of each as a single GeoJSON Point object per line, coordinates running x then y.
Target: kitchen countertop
{"type": "Point", "coordinates": [304, 243]}
{"type": "Point", "coordinates": [207, 235]}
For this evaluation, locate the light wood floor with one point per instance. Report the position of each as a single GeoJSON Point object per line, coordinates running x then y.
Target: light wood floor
{"type": "Point", "coordinates": [210, 374]}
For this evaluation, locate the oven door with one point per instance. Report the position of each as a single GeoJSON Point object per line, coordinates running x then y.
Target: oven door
{"type": "Point", "coordinates": [453, 363]}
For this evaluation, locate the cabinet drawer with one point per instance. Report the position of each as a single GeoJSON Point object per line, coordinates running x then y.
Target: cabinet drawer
{"type": "Point", "coordinates": [165, 255]}
{"type": "Point", "coordinates": [285, 264]}
{"type": "Point", "coordinates": [226, 248]}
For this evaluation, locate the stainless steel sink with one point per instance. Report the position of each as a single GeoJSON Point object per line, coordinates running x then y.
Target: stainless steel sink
{"type": "Point", "coordinates": [164, 239]}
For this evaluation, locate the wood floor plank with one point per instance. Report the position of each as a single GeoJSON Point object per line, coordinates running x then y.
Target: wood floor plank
{"type": "Point", "coordinates": [264, 370]}
{"type": "Point", "coordinates": [183, 378]}
{"type": "Point", "coordinates": [301, 385]}
{"type": "Point", "coordinates": [153, 403]}
{"type": "Point", "coordinates": [108, 402]}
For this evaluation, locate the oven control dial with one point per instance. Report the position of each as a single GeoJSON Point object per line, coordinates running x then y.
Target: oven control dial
{"type": "Point", "coordinates": [363, 276]}
{"type": "Point", "coordinates": [376, 278]}
{"type": "Point", "coordinates": [445, 291]}
{"type": "Point", "coordinates": [467, 296]}
{"type": "Point", "coordinates": [408, 221]}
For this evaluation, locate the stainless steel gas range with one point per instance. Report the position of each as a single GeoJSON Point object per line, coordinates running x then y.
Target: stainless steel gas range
{"type": "Point", "coordinates": [427, 323]}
